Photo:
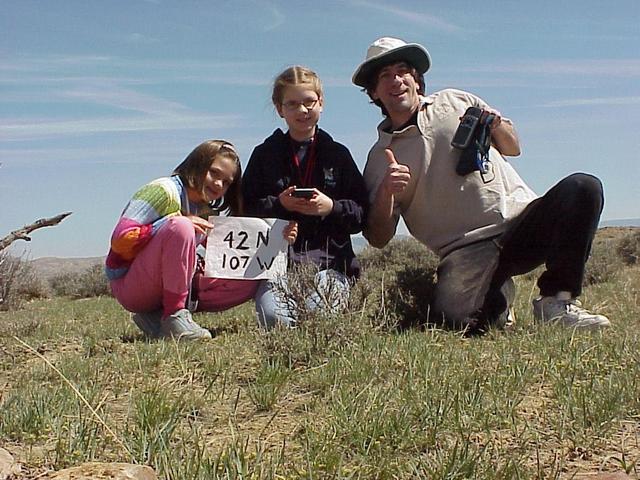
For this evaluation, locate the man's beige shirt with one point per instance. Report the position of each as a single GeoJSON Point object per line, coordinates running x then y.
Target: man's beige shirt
{"type": "Point", "coordinates": [440, 208]}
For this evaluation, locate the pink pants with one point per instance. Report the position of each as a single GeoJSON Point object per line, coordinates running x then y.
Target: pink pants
{"type": "Point", "coordinates": [161, 274]}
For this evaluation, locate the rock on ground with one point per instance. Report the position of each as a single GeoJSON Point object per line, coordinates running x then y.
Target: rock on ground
{"type": "Point", "coordinates": [603, 476]}
{"type": "Point", "coordinates": [8, 466]}
{"type": "Point", "coordinates": [105, 471]}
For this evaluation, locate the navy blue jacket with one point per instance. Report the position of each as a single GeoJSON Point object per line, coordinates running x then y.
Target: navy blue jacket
{"type": "Point", "coordinates": [324, 241]}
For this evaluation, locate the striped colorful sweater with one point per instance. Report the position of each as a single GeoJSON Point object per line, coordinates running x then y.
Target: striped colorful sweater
{"type": "Point", "coordinates": [143, 216]}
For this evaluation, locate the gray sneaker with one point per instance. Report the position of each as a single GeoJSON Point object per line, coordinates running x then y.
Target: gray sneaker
{"type": "Point", "coordinates": [181, 326]}
{"type": "Point", "coordinates": [149, 323]}
{"type": "Point", "coordinates": [567, 311]}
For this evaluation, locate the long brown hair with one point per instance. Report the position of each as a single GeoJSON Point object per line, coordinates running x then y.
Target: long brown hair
{"type": "Point", "coordinates": [194, 168]}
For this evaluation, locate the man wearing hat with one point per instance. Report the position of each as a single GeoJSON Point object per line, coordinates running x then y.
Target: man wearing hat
{"type": "Point", "coordinates": [484, 222]}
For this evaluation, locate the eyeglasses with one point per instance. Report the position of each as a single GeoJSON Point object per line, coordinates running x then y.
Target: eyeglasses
{"type": "Point", "coordinates": [292, 105]}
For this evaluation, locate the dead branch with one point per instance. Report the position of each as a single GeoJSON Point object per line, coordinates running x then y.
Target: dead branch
{"type": "Point", "coordinates": [23, 233]}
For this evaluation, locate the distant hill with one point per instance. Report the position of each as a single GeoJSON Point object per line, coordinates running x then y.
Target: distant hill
{"type": "Point", "coordinates": [623, 222]}
{"type": "Point", "coordinates": [49, 267]}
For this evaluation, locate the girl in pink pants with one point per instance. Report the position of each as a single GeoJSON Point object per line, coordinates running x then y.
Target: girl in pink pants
{"type": "Point", "coordinates": [152, 258]}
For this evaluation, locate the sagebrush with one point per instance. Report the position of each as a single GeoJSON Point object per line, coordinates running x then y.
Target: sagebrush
{"type": "Point", "coordinates": [92, 282]}
{"type": "Point", "coordinates": [19, 282]}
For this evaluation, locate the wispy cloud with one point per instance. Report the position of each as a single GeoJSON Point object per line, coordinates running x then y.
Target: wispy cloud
{"type": "Point", "coordinates": [46, 128]}
{"type": "Point", "coordinates": [412, 16]}
{"type": "Point", "coordinates": [278, 19]}
{"type": "Point", "coordinates": [26, 64]}
{"type": "Point", "coordinates": [139, 38]}
{"type": "Point", "coordinates": [586, 102]}
{"type": "Point", "coordinates": [124, 98]}
{"type": "Point", "coordinates": [337, 81]}
{"type": "Point", "coordinates": [141, 111]}
{"type": "Point", "coordinates": [57, 63]}
{"type": "Point", "coordinates": [220, 77]}
{"type": "Point", "coordinates": [609, 67]}
{"type": "Point", "coordinates": [57, 69]}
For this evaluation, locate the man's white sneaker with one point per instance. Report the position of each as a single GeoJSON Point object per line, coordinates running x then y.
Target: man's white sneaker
{"type": "Point", "coordinates": [181, 326]}
{"type": "Point", "coordinates": [510, 323]}
{"type": "Point", "coordinates": [567, 311]}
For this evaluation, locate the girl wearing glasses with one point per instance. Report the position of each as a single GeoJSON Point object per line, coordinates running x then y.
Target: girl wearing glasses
{"type": "Point", "coordinates": [329, 209]}
{"type": "Point", "coordinates": [152, 258]}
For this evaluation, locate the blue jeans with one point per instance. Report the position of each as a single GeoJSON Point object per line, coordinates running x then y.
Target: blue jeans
{"type": "Point", "coordinates": [331, 292]}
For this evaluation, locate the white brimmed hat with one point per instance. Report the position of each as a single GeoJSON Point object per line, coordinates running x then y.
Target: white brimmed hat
{"type": "Point", "coordinates": [388, 50]}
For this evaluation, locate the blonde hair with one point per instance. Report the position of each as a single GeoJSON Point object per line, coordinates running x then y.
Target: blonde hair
{"type": "Point", "coordinates": [193, 170]}
{"type": "Point", "coordinates": [295, 76]}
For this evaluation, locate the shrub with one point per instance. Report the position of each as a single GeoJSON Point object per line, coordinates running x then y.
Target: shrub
{"type": "Point", "coordinates": [313, 341]}
{"type": "Point", "coordinates": [603, 263]}
{"type": "Point", "coordinates": [18, 282]}
{"type": "Point", "coordinates": [10, 268]}
{"type": "Point", "coordinates": [90, 283]}
{"type": "Point", "coordinates": [64, 285]}
{"type": "Point", "coordinates": [32, 287]}
{"type": "Point", "coordinates": [396, 285]}
{"type": "Point", "coordinates": [318, 332]}
{"type": "Point", "coordinates": [628, 248]}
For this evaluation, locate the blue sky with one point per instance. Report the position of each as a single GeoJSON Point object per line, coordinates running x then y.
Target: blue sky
{"type": "Point", "coordinates": [99, 97]}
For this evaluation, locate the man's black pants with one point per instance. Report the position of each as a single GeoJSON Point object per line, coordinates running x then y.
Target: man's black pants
{"type": "Point", "coordinates": [557, 230]}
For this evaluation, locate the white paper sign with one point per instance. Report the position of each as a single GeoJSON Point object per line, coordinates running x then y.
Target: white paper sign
{"type": "Point", "coordinates": [249, 248]}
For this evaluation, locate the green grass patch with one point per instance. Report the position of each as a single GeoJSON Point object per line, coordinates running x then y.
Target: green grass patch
{"type": "Point", "coordinates": [339, 397]}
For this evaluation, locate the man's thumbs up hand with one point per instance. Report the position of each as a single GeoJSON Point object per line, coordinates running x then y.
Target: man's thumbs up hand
{"type": "Point", "coordinates": [391, 158]}
{"type": "Point", "coordinates": [397, 176]}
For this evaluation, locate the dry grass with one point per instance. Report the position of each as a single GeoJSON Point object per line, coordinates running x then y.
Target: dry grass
{"type": "Point", "coordinates": [538, 402]}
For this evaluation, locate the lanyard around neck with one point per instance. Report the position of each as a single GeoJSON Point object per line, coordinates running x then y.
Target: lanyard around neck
{"type": "Point", "coordinates": [309, 164]}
